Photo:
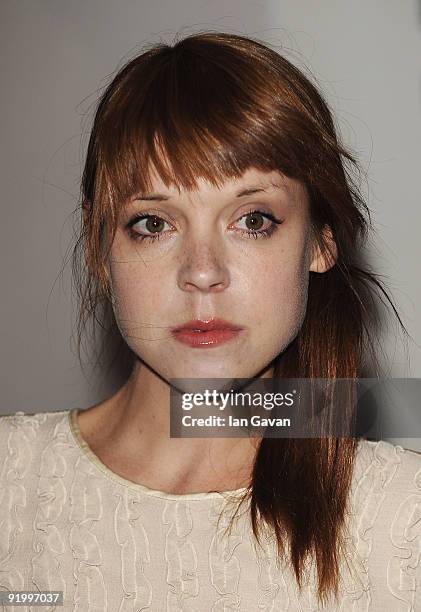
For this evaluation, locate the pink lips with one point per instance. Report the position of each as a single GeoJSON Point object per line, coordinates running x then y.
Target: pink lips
{"type": "Point", "coordinates": [199, 334]}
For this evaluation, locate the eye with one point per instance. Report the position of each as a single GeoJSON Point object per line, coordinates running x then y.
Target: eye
{"type": "Point", "coordinates": [155, 225]}
{"type": "Point", "coordinates": [254, 224]}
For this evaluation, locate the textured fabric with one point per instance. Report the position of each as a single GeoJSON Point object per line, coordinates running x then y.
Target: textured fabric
{"type": "Point", "coordinates": [69, 523]}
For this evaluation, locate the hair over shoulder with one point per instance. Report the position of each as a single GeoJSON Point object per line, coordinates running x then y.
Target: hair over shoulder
{"type": "Point", "coordinates": [210, 106]}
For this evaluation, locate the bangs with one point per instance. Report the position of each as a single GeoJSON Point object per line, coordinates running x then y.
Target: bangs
{"type": "Point", "coordinates": [190, 115]}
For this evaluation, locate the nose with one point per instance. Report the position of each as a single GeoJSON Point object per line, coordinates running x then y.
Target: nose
{"type": "Point", "coordinates": [202, 269]}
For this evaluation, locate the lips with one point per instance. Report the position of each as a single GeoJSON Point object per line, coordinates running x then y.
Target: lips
{"type": "Point", "coordinates": [206, 325]}
{"type": "Point", "coordinates": [205, 334]}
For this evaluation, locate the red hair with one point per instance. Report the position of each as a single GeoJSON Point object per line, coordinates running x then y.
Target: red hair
{"type": "Point", "coordinates": [212, 106]}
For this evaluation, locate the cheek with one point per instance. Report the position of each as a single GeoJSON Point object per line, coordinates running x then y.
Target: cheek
{"type": "Point", "coordinates": [137, 297]}
{"type": "Point", "coordinates": [132, 284]}
{"type": "Point", "coordinates": [292, 294]}
{"type": "Point", "coordinates": [281, 296]}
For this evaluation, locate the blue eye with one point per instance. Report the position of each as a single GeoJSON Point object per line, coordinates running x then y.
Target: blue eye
{"type": "Point", "coordinates": [154, 224]}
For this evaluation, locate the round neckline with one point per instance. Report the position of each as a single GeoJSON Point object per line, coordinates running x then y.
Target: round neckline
{"type": "Point", "coordinates": [96, 461]}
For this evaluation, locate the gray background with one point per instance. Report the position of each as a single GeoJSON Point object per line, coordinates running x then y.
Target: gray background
{"type": "Point", "coordinates": [56, 56]}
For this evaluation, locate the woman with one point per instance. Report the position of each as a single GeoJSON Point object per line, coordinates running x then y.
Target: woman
{"type": "Point", "coordinates": [217, 197]}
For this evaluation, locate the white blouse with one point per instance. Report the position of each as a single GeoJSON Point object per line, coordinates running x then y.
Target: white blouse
{"type": "Point", "coordinates": [68, 523]}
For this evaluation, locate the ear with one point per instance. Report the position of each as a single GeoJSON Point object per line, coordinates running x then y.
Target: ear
{"type": "Point", "coordinates": [325, 254]}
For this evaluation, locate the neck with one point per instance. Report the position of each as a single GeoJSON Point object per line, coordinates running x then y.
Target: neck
{"type": "Point", "coordinates": [130, 432]}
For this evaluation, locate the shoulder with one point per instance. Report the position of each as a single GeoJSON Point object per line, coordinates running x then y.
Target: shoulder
{"type": "Point", "coordinates": [394, 467]}
{"type": "Point", "coordinates": [386, 511]}
{"type": "Point", "coordinates": [386, 493]}
{"type": "Point", "coordinates": [21, 430]}
{"type": "Point", "coordinates": [20, 418]}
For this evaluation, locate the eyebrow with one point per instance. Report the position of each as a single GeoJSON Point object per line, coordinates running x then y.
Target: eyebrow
{"type": "Point", "coordinates": [159, 197]}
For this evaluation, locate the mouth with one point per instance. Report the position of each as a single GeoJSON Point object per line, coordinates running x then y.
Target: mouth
{"type": "Point", "coordinates": [206, 325]}
{"type": "Point", "coordinates": [206, 333]}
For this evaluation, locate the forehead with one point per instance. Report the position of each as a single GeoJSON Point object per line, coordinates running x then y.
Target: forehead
{"type": "Point", "coordinates": [253, 180]}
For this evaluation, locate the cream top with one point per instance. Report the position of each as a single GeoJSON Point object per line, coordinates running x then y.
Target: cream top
{"type": "Point", "coordinates": [69, 523]}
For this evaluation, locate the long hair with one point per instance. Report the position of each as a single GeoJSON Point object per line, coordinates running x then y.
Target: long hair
{"type": "Point", "coordinates": [212, 105]}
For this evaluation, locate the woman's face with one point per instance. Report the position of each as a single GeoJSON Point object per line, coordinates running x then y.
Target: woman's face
{"type": "Point", "coordinates": [205, 265]}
